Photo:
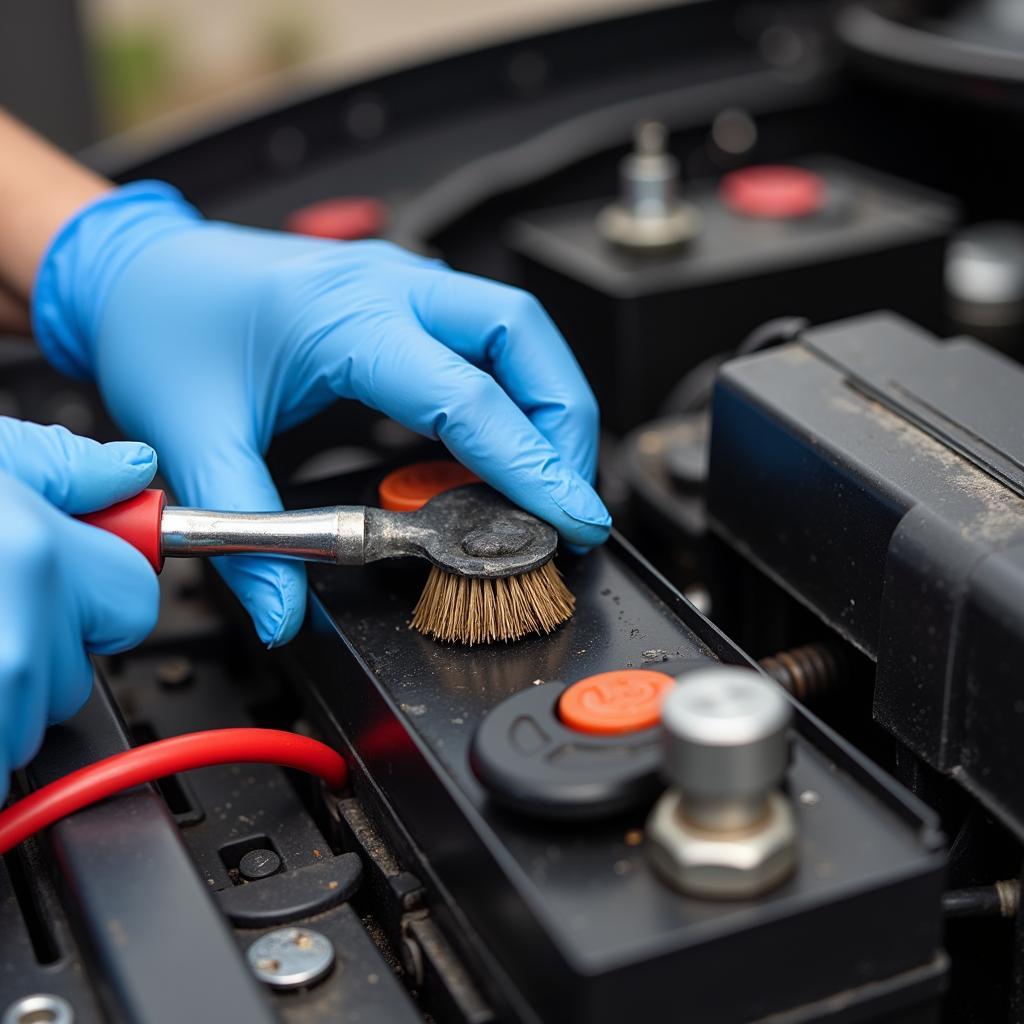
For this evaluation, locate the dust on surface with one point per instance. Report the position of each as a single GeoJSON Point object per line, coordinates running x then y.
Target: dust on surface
{"type": "Point", "coordinates": [795, 354]}
{"type": "Point", "coordinates": [1000, 512]}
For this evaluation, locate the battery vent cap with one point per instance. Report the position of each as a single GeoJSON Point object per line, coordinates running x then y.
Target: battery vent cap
{"type": "Point", "coordinates": [611, 703]}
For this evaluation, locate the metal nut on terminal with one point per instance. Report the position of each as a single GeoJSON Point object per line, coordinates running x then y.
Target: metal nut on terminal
{"type": "Point", "coordinates": [719, 864]}
{"type": "Point", "coordinates": [649, 215]}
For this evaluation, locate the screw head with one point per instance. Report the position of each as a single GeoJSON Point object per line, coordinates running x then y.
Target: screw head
{"type": "Point", "coordinates": [175, 671]}
{"type": "Point", "coordinates": [40, 1008]}
{"type": "Point", "coordinates": [291, 957]}
{"type": "Point", "coordinates": [258, 864]}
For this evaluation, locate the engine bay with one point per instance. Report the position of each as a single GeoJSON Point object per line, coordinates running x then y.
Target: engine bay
{"type": "Point", "coordinates": [785, 242]}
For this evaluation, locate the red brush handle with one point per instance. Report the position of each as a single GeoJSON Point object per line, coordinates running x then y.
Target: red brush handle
{"type": "Point", "coordinates": [136, 520]}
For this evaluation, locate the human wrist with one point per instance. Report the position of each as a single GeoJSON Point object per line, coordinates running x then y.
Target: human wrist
{"type": "Point", "coordinates": [86, 256]}
{"type": "Point", "coordinates": [40, 187]}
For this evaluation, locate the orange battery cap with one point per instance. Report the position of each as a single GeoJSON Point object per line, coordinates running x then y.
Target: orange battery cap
{"type": "Point", "coordinates": [411, 487]}
{"type": "Point", "coordinates": [610, 703]}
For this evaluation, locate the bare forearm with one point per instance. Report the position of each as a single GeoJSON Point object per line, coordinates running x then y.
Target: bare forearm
{"type": "Point", "coordinates": [40, 187]}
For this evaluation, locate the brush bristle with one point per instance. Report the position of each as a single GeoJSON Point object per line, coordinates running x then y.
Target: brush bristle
{"type": "Point", "coordinates": [467, 610]}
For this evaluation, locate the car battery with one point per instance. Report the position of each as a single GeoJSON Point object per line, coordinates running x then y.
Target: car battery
{"type": "Point", "coordinates": [528, 831]}
{"type": "Point", "coordinates": [875, 473]}
{"type": "Point", "coordinates": [787, 242]}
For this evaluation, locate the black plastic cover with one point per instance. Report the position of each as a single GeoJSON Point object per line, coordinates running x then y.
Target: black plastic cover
{"type": "Point", "coordinates": [876, 473]}
{"type": "Point", "coordinates": [564, 920]}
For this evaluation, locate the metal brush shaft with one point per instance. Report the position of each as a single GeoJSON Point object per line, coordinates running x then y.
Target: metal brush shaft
{"type": "Point", "coordinates": [468, 531]}
{"type": "Point", "coordinates": [336, 535]}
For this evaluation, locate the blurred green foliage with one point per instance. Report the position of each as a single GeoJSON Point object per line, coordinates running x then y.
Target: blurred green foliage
{"type": "Point", "coordinates": [132, 73]}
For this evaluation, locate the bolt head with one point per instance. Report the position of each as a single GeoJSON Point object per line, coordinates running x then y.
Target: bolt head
{"type": "Point", "coordinates": [722, 865]}
{"type": "Point", "coordinates": [621, 227]}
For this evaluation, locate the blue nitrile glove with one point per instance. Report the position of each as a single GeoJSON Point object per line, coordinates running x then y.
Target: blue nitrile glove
{"type": "Point", "coordinates": [207, 339]}
{"type": "Point", "coordinates": [65, 588]}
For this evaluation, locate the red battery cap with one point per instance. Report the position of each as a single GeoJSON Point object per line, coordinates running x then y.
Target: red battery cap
{"type": "Point", "coordinates": [345, 218]}
{"type": "Point", "coordinates": [411, 487]}
{"type": "Point", "coordinates": [773, 191]}
{"type": "Point", "coordinates": [611, 703]}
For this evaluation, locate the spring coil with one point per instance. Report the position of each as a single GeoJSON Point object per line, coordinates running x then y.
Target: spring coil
{"type": "Point", "coordinates": [811, 672]}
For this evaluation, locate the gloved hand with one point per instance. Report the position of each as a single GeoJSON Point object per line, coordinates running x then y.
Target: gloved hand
{"type": "Point", "coordinates": [207, 339]}
{"type": "Point", "coordinates": [65, 588]}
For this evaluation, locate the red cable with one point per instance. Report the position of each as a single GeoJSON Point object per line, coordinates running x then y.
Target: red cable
{"type": "Point", "coordinates": [166, 757]}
